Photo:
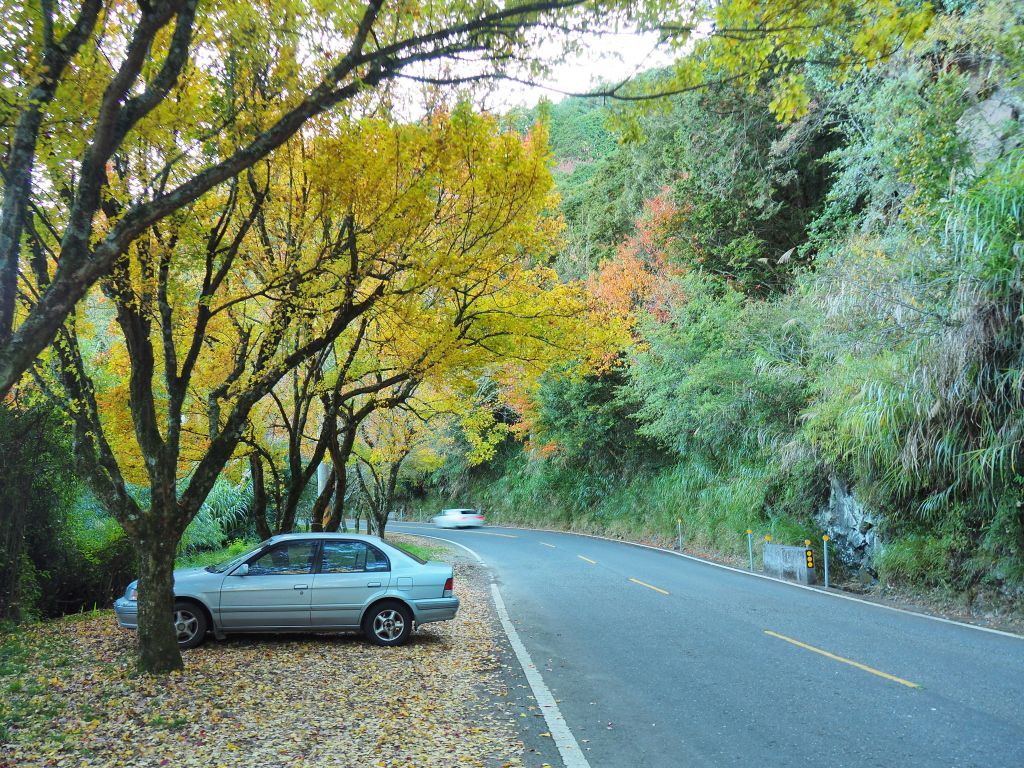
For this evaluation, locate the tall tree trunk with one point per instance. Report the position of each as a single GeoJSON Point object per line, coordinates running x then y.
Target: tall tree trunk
{"type": "Point", "coordinates": [384, 507]}
{"type": "Point", "coordinates": [320, 507]}
{"type": "Point", "coordinates": [340, 452]}
{"type": "Point", "coordinates": [337, 517]}
{"type": "Point", "coordinates": [156, 545]}
{"type": "Point", "coordinates": [259, 496]}
{"type": "Point", "coordinates": [381, 519]}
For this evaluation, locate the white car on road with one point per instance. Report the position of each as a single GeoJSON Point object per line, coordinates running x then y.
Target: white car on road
{"type": "Point", "coordinates": [459, 518]}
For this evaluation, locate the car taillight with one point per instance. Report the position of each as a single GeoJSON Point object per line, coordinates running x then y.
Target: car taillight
{"type": "Point", "coordinates": [448, 587]}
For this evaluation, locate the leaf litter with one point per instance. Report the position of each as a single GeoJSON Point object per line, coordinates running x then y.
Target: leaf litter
{"type": "Point", "coordinates": [70, 697]}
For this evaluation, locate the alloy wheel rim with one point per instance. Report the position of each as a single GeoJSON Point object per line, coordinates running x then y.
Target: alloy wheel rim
{"type": "Point", "coordinates": [388, 625]}
{"type": "Point", "coordinates": [185, 625]}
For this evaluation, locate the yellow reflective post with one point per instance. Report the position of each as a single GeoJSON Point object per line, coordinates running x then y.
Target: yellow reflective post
{"type": "Point", "coordinates": [824, 540]}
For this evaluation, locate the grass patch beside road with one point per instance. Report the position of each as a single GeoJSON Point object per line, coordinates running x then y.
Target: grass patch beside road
{"type": "Point", "coordinates": [415, 546]}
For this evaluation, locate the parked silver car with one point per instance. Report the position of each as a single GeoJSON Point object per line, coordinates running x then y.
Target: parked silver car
{"type": "Point", "coordinates": [308, 582]}
{"type": "Point", "coordinates": [458, 518]}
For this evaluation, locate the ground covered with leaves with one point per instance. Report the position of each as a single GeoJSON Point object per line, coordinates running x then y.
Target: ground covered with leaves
{"type": "Point", "coordinates": [69, 697]}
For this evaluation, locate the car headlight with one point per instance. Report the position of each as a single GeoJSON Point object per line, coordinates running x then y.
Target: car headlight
{"type": "Point", "coordinates": [132, 593]}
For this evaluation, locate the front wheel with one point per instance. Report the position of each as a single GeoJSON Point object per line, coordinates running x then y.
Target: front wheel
{"type": "Point", "coordinates": [190, 624]}
{"type": "Point", "coordinates": [388, 624]}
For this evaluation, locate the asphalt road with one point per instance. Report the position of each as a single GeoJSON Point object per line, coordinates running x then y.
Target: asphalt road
{"type": "Point", "coordinates": [657, 660]}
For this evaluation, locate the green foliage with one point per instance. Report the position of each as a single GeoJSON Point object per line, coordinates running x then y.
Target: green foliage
{"type": "Point", "coordinates": [844, 298]}
{"type": "Point", "coordinates": [746, 187]}
{"type": "Point", "coordinates": [933, 422]}
{"type": "Point", "coordinates": [901, 154]}
{"type": "Point", "coordinates": [918, 559]}
{"type": "Point", "coordinates": [422, 551]}
{"type": "Point", "coordinates": [224, 511]}
{"type": "Point", "coordinates": [37, 488]}
{"type": "Point", "coordinates": [589, 427]}
{"type": "Point", "coordinates": [578, 131]}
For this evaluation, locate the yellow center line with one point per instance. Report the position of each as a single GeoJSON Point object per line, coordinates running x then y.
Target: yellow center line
{"type": "Point", "coordinates": [503, 535]}
{"type": "Point", "coordinates": [649, 586]}
{"type": "Point", "coordinates": [851, 662]}
{"type": "Point", "coordinates": [545, 544]}
{"type": "Point", "coordinates": [592, 562]}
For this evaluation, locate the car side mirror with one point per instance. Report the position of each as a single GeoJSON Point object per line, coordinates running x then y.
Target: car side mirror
{"type": "Point", "coordinates": [242, 570]}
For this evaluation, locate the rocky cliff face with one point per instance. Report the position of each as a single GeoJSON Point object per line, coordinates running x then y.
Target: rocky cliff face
{"type": "Point", "coordinates": [992, 127]}
{"type": "Point", "coordinates": [851, 528]}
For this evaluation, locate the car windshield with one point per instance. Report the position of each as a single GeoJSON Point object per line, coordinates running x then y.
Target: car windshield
{"type": "Point", "coordinates": [226, 564]}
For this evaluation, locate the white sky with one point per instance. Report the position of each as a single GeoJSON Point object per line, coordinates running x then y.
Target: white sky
{"type": "Point", "coordinates": [607, 58]}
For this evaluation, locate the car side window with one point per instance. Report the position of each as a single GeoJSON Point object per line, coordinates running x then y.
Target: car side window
{"type": "Point", "coordinates": [291, 558]}
{"type": "Point", "coordinates": [352, 557]}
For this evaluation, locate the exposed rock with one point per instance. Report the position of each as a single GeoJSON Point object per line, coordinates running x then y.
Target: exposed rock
{"type": "Point", "coordinates": [852, 529]}
{"type": "Point", "coordinates": [993, 127]}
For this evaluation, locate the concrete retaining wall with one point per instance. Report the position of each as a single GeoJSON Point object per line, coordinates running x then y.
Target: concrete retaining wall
{"type": "Point", "coordinates": [788, 563]}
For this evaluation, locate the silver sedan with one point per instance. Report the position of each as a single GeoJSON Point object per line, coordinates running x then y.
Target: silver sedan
{"type": "Point", "coordinates": [317, 582]}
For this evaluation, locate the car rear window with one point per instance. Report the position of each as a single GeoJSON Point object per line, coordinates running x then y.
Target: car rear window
{"type": "Point", "coordinates": [470, 512]}
{"type": "Point", "coordinates": [407, 553]}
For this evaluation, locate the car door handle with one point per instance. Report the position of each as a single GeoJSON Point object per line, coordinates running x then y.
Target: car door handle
{"type": "Point", "coordinates": [373, 584]}
{"type": "Point", "coordinates": [301, 586]}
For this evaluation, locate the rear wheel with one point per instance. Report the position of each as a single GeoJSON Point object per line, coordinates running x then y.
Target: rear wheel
{"type": "Point", "coordinates": [190, 624]}
{"type": "Point", "coordinates": [388, 623]}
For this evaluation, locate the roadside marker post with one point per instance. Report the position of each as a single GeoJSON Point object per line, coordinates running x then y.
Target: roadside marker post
{"type": "Point", "coordinates": [679, 531]}
{"type": "Point", "coordinates": [750, 548]}
{"type": "Point", "coordinates": [824, 540]}
{"type": "Point", "coordinates": [810, 554]}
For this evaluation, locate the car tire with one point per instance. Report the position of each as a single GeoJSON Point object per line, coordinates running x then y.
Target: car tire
{"type": "Point", "coordinates": [190, 624]}
{"type": "Point", "coordinates": [388, 623]}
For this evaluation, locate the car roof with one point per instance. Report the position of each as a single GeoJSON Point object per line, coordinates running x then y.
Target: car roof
{"type": "Point", "coordinates": [459, 509]}
{"type": "Point", "coordinates": [325, 536]}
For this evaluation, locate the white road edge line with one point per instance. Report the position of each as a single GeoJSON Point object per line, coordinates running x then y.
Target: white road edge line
{"type": "Point", "coordinates": [816, 590]}
{"type": "Point", "coordinates": [572, 755]}
{"type": "Point", "coordinates": [568, 747]}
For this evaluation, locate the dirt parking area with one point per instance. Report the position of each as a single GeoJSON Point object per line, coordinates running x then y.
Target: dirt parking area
{"type": "Point", "coordinates": [69, 697]}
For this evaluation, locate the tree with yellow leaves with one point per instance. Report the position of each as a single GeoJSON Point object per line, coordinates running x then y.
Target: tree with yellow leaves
{"type": "Point", "coordinates": [390, 440]}
{"type": "Point", "coordinates": [202, 318]}
{"type": "Point", "coordinates": [503, 308]}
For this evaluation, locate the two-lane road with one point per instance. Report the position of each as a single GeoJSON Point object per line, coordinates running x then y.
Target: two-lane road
{"type": "Point", "coordinates": [659, 660]}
